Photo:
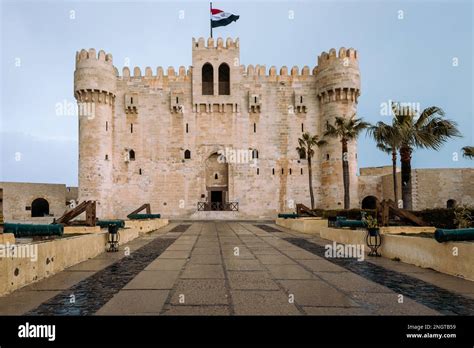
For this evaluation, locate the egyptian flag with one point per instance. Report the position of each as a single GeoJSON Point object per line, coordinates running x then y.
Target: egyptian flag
{"type": "Point", "coordinates": [220, 18]}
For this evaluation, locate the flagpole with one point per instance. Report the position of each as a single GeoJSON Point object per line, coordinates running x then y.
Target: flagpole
{"type": "Point", "coordinates": [210, 19]}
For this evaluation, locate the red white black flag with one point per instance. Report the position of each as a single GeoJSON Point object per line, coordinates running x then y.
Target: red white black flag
{"type": "Point", "coordinates": [220, 18]}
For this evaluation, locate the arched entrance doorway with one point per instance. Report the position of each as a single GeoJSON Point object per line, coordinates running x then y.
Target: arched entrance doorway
{"type": "Point", "coordinates": [39, 207]}
{"type": "Point", "coordinates": [451, 204]}
{"type": "Point", "coordinates": [369, 202]}
{"type": "Point", "coordinates": [217, 181]}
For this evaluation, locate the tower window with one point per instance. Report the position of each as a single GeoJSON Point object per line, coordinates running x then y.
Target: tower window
{"type": "Point", "coordinates": [131, 100]}
{"type": "Point", "coordinates": [187, 154]}
{"type": "Point", "coordinates": [224, 79]}
{"type": "Point", "coordinates": [302, 127]}
{"type": "Point", "coordinates": [303, 155]}
{"type": "Point", "coordinates": [106, 126]}
{"type": "Point", "coordinates": [187, 128]}
{"type": "Point", "coordinates": [282, 171]}
{"type": "Point", "coordinates": [177, 100]}
{"type": "Point", "coordinates": [140, 171]}
{"type": "Point", "coordinates": [301, 170]}
{"type": "Point", "coordinates": [301, 99]}
{"type": "Point", "coordinates": [106, 157]}
{"type": "Point", "coordinates": [258, 171]}
{"type": "Point", "coordinates": [327, 157]}
{"type": "Point", "coordinates": [131, 127]}
{"type": "Point", "coordinates": [273, 171]}
{"type": "Point", "coordinates": [207, 79]}
{"type": "Point", "coordinates": [255, 128]}
{"type": "Point", "coordinates": [216, 176]}
{"type": "Point", "coordinates": [290, 171]}
{"type": "Point", "coordinates": [132, 155]}
{"type": "Point", "coordinates": [254, 153]}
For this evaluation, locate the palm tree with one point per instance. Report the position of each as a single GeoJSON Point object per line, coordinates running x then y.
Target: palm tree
{"type": "Point", "coordinates": [346, 129]}
{"type": "Point", "coordinates": [388, 139]}
{"type": "Point", "coordinates": [305, 150]}
{"type": "Point", "coordinates": [428, 130]}
{"type": "Point", "coordinates": [468, 151]}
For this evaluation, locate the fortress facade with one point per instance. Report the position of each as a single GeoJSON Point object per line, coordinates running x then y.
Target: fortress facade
{"type": "Point", "coordinates": [217, 136]}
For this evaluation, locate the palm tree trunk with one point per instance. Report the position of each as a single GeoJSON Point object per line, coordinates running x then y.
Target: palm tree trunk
{"type": "Point", "coordinates": [345, 174]}
{"type": "Point", "coordinates": [394, 173]}
{"type": "Point", "coordinates": [405, 159]}
{"type": "Point", "coordinates": [310, 178]}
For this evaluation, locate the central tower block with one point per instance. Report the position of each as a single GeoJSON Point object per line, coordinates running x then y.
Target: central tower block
{"type": "Point", "coordinates": [216, 75]}
{"type": "Point", "coordinates": [338, 89]}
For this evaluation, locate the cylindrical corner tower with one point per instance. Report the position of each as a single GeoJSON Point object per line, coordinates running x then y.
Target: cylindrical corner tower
{"type": "Point", "coordinates": [338, 88]}
{"type": "Point", "coordinates": [94, 90]}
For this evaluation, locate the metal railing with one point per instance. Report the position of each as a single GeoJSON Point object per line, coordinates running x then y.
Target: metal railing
{"type": "Point", "coordinates": [218, 206]}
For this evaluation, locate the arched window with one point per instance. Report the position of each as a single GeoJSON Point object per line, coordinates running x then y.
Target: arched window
{"type": "Point", "coordinates": [39, 207]}
{"type": "Point", "coordinates": [303, 155]}
{"type": "Point", "coordinates": [207, 79]}
{"type": "Point", "coordinates": [224, 79]}
{"type": "Point", "coordinates": [369, 202]}
{"type": "Point", "coordinates": [451, 204]}
{"type": "Point", "coordinates": [216, 176]}
{"type": "Point", "coordinates": [254, 153]}
{"type": "Point", "coordinates": [131, 155]}
{"type": "Point", "coordinates": [187, 154]}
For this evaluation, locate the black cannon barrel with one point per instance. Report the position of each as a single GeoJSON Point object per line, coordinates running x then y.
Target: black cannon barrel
{"type": "Point", "coordinates": [461, 234]}
{"type": "Point", "coordinates": [30, 230]}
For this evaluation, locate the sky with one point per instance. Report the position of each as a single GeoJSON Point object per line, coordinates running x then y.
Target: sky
{"type": "Point", "coordinates": [419, 52]}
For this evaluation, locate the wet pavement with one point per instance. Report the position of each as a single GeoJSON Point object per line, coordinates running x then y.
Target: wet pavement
{"type": "Point", "coordinates": [239, 268]}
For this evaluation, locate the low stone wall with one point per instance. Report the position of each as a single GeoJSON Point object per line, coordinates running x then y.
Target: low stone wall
{"type": "Point", "coordinates": [304, 225]}
{"type": "Point", "coordinates": [81, 229]}
{"type": "Point", "coordinates": [455, 258]}
{"type": "Point", "coordinates": [43, 259]}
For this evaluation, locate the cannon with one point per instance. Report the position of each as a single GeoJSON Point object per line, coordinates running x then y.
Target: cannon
{"type": "Point", "coordinates": [143, 216]}
{"type": "Point", "coordinates": [461, 234]}
{"type": "Point", "coordinates": [288, 216]}
{"type": "Point", "coordinates": [106, 223]}
{"type": "Point", "coordinates": [33, 230]}
{"type": "Point", "coordinates": [350, 223]}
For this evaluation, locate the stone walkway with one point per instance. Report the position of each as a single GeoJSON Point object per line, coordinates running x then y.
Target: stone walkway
{"type": "Point", "coordinates": [239, 268]}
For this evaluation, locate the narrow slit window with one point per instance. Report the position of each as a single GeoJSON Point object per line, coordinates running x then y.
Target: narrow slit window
{"type": "Point", "coordinates": [258, 171]}
{"type": "Point", "coordinates": [302, 127]}
{"type": "Point", "coordinates": [282, 171]}
{"type": "Point", "coordinates": [290, 171]}
{"type": "Point", "coordinates": [255, 128]}
{"type": "Point", "coordinates": [273, 171]}
{"type": "Point", "coordinates": [187, 128]}
{"type": "Point", "coordinates": [301, 171]}
{"type": "Point", "coordinates": [131, 127]}
{"type": "Point", "coordinates": [140, 171]}
{"type": "Point", "coordinates": [106, 126]}
{"type": "Point", "coordinates": [106, 157]}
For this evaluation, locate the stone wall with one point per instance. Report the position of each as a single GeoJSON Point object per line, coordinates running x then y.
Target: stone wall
{"type": "Point", "coordinates": [161, 115]}
{"type": "Point", "coordinates": [18, 199]}
{"type": "Point", "coordinates": [432, 188]}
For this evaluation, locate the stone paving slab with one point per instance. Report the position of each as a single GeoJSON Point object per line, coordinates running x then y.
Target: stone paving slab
{"type": "Point", "coordinates": [262, 303]}
{"type": "Point", "coordinates": [60, 281]}
{"type": "Point", "coordinates": [316, 293]}
{"type": "Point", "coordinates": [20, 302]}
{"type": "Point", "coordinates": [200, 292]}
{"type": "Point", "coordinates": [275, 260]}
{"type": "Point", "coordinates": [257, 280]}
{"type": "Point", "coordinates": [92, 265]}
{"type": "Point", "coordinates": [166, 265]}
{"type": "Point", "coordinates": [321, 265]}
{"type": "Point", "coordinates": [135, 302]}
{"type": "Point", "coordinates": [350, 282]}
{"type": "Point", "coordinates": [153, 280]}
{"type": "Point", "coordinates": [197, 310]}
{"type": "Point", "coordinates": [387, 304]}
{"type": "Point", "coordinates": [175, 254]}
{"type": "Point", "coordinates": [336, 311]}
{"type": "Point", "coordinates": [203, 271]}
{"type": "Point", "coordinates": [207, 259]}
{"type": "Point", "coordinates": [289, 272]}
{"type": "Point", "coordinates": [238, 264]}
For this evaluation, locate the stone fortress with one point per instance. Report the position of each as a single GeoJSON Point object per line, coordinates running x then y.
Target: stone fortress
{"type": "Point", "coordinates": [170, 139]}
{"type": "Point", "coordinates": [218, 136]}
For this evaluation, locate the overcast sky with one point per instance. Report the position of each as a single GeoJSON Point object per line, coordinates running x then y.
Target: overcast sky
{"type": "Point", "coordinates": [412, 51]}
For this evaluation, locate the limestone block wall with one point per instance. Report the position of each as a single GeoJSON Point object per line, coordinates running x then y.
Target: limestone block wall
{"type": "Point", "coordinates": [158, 116]}
{"type": "Point", "coordinates": [18, 198]}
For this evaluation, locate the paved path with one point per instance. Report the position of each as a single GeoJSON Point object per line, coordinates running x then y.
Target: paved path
{"type": "Point", "coordinates": [239, 268]}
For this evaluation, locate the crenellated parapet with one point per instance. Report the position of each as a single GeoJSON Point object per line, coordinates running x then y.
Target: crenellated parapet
{"type": "Point", "coordinates": [215, 44]}
{"type": "Point", "coordinates": [94, 72]}
{"type": "Point", "coordinates": [338, 76]}
{"type": "Point", "coordinates": [170, 74]}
